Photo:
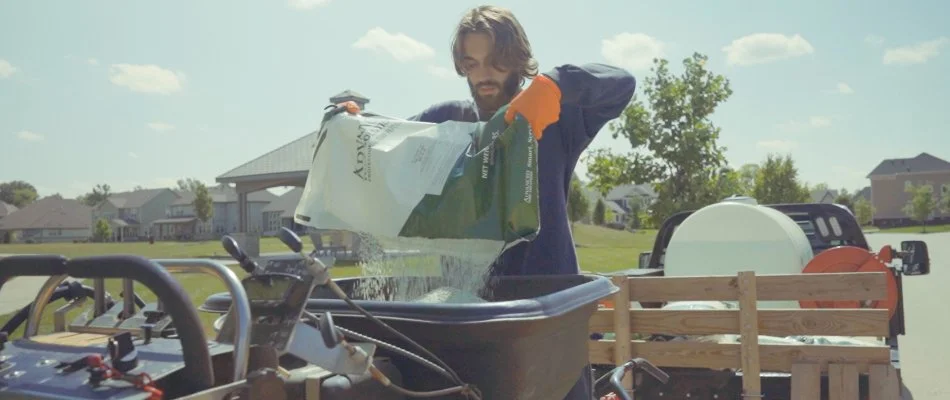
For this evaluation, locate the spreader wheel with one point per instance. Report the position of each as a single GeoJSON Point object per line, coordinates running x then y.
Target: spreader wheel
{"type": "Point", "coordinates": [852, 259]}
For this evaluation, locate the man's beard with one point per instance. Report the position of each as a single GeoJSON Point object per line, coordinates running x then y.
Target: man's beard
{"type": "Point", "coordinates": [488, 105]}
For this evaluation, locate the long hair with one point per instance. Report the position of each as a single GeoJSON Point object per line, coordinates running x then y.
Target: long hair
{"type": "Point", "coordinates": [510, 47]}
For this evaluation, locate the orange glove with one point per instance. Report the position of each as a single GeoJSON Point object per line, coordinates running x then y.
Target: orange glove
{"type": "Point", "coordinates": [540, 104]}
{"type": "Point", "coordinates": [351, 107]}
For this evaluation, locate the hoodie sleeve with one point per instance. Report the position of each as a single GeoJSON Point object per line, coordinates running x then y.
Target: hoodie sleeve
{"type": "Point", "coordinates": [600, 91]}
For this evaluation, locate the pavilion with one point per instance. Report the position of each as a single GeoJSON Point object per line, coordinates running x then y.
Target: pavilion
{"type": "Point", "coordinates": [287, 165]}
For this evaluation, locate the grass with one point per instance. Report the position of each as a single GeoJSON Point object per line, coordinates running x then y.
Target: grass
{"type": "Point", "coordinates": [599, 250]}
{"type": "Point", "coordinates": [918, 229]}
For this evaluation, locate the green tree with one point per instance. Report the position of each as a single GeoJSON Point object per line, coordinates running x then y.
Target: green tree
{"type": "Point", "coordinates": [577, 204]}
{"type": "Point", "coordinates": [600, 212]}
{"type": "Point", "coordinates": [99, 194]}
{"type": "Point", "coordinates": [845, 199]}
{"type": "Point", "coordinates": [18, 193]}
{"type": "Point", "coordinates": [863, 211]}
{"type": "Point", "coordinates": [747, 175]}
{"type": "Point", "coordinates": [204, 205]}
{"type": "Point", "coordinates": [777, 182]}
{"type": "Point", "coordinates": [673, 139]}
{"type": "Point", "coordinates": [189, 185]}
{"type": "Point", "coordinates": [102, 231]}
{"type": "Point", "coordinates": [922, 203]}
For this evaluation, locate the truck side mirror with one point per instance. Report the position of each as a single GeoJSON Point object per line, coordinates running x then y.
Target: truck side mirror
{"type": "Point", "coordinates": [645, 259]}
{"type": "Point", "coordinates": [915, 257]}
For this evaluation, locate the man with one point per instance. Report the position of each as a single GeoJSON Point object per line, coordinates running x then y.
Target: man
{"type": "Point", "coordinates": [565, 108]}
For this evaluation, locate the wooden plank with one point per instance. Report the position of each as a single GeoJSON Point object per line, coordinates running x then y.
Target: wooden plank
{"type": "Point", "coordinates": [73, 339]}
{"type": "Point", "coordinates": [830, 286]}
{"type": "Point", "coordinates": [772, 357]}
{"type": "Point", "coordinates": [806, 381]}
{"type": "Point", "coordinates": [842, 382]}
{"type": "Point", "coordinates": [883, 383]}
{"type": "Point", "coordinates": [622, 327]}
{"type": "Point", "coordinates": [833, 322]}
{"type": "Point", "coordinates": [749, 334]}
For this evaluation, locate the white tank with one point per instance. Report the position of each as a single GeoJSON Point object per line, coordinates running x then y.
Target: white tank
{"type": "Point", "coordinates": [729, 237]}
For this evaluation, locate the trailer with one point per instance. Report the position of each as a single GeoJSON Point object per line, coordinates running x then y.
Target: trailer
{"type": "Point", "coordinates": [752, 328]}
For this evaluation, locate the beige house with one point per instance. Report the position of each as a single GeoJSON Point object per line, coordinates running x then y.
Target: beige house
{"type": "Point", "coordinates": [48, 220]}
{"type": "Point", "coordinates": [132, 214]}
{"type": "Point", "coordinates": [180, 221]}
{"type": "Point", "coordinates": [890, 179]}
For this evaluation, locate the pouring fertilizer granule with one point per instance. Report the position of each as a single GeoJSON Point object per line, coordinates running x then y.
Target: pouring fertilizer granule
{"type": "Point", "coordinates": [457, 194]}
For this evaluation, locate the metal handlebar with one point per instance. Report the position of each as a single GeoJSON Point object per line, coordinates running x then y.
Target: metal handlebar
{"type": "Point", "coordinates": [617, 374]}
{"type": "Point", "coordinates": [239, 304]}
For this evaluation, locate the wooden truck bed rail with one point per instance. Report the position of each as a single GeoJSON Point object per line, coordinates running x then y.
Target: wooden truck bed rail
{"type": "Point", "coordinates": [805, 362]}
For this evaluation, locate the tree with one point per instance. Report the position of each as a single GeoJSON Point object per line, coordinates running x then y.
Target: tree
{"type": "Point", "coordinates": [577, 204]}
{"type": "Point", "coordinates": [99, 194]}
{"type": "Point", "coordinates": [204, 205]}
{"type": "Point", "coordinates": [845, 199]}
{"type": "Point", "coordinates": [673, 140]}
{"type": "Point", "coordinates": [18, 193]}
{"type": "Point", "coordinates": [747, 175]}
{"type": "Point", "coordinates": [600, 212]}
{"type": "Point", "coordinates": [863, 211]}
{"type": "Point", "coordinates": [102, 231]}
{"type": "Point", "coordinates": [820, 187]}
{"type": "Point", "coordinates": [922, 203]}
{"type": "Point", "coordinates": [189, 185]}
{"type": "Point", "coordinates": [777, 182]}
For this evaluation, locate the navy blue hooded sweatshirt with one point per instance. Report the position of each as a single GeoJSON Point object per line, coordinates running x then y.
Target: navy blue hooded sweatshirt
{"type": "Point", "coordinates": [591, 96]}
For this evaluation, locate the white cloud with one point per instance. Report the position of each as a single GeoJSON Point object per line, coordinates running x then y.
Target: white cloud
{"type": "Point", "coordinates": [819, 121]}
{"type": "Point", "coordinates": [874, 40]}
{"type": "Point", "coordinates": [916, 53]}
{"type": "Point", "coordinates": [813, 122]}
{"type": "Point", "coordinates": [6, 69]}
{"type": "Point", "coordinates": [442, 72]}
{"type": "Point", "coordinates": [761, 48]}
{"type": "Point", "coordinates": [633, 51]}
{"type": "Point", "coordinates": [160, 126]}
{"type": "Point", "coordinates": [92, 61]}
{"type": "Point", "coordinates": [30, 136]}
{"type": "Point", "coordinates": [398, 45]}
{"type": "Point", "coordinates": [146, 78]}
{"type": "Point", "coordinates": [307, 4]}
{"type": "Point", "coordinates": [843, 88]}
{"type": "Point", "coordinates": [133, 155]}
{"type": "Point", "coordinates": [777, 145]}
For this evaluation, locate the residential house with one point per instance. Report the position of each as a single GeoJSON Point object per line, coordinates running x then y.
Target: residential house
{"type": "Point", "coordinates": [864, 193]}
{"type": "Point", "coordinates": [627, 198]}
{"type": "Point", "coordinates": [181, 221]}
{"type": "Point", "coordinates": [824, 196]}
{"type": "Point", "coordinates": [890, 179]}
{"type": "Point", "coordinates": [47, 220]}
{"type": "Point", "coordinates": [280, 213]}
{"type": "Point", "coordinates": [6, 209]}
{"type": "Point", "coordinates": [132, 214]}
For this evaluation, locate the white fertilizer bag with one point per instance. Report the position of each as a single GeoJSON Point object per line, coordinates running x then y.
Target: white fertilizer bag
{"type": "Point", "coordinates": [472, 183]}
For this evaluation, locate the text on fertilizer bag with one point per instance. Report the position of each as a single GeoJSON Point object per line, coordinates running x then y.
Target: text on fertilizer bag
{"type": "Point", "coordinates": [488, 155]}
{"type": "Point", "coordinates": [369, 133]}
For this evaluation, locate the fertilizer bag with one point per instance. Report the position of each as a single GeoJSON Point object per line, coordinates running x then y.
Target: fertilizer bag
{"type": "Point", "coordinates": [393, 178]}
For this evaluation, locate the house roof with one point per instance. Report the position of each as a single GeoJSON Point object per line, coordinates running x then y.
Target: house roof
{"type": "Point", "coordinates": [923, 162]}
{"type": "Point", "coordinates": [863, 193]}
{"type": "Point", "coordinates": [224, 194]}
{"type": "Point", "coordinates": [6, 209]}
{"type": "Point", "coordinates": [819, 196]}
{"type": "Point", "coordinates": [135, 198]}
{"type": "Point", "coordinates": [629, 190]}
{"type": "Point", "coordinates": [53, 212]}
{"type": "Point", "coordinates": [292, 159]}
{"type": "Point", "coordinates": [286, 204]}
{"type": "Point", "coordinates": [613, 206]}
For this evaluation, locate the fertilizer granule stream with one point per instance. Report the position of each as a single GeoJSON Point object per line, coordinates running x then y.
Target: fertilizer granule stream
{"type": "Point", "coordinates": [459, 269]}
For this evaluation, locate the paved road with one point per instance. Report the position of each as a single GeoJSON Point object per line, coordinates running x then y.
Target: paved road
{"type": "Point", "coordinates": [926, 347]}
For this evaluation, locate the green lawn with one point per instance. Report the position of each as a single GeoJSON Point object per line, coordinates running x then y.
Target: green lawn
{"type": "Point", "coordinates": [599, 250]}
{"type": "Point", "coordinates": [917, 229]}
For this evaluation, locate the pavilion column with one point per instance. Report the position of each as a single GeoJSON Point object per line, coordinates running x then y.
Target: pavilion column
{"type": "Point", "coordinates": [250, 242]}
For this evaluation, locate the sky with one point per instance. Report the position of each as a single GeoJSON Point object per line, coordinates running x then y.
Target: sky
{"type": "Point", "coordinates": [146, 93]}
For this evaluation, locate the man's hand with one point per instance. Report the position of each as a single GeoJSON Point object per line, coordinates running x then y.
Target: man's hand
{"type": "Point", "coordinates": [540, 104]}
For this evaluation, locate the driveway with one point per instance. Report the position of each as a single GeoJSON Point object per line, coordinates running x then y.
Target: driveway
{"type": "Point", "coordinates": [925, 348]}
